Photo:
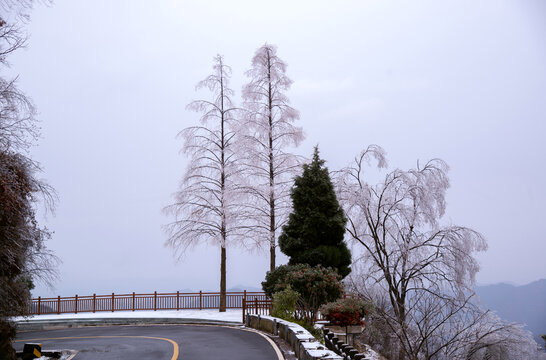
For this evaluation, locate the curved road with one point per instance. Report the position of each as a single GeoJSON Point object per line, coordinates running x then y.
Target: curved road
{"type": "Point", "coordinates": [169, 342]}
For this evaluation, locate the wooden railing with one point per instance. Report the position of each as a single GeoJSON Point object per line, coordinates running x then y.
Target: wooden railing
{"type": "Point", "coordinates": [257, 306]}
{"type": "Point", "coordinates": [134, 302]}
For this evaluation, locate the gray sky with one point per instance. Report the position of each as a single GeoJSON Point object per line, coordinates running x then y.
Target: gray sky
{"type": "Point", "coordinates": [464, 81]}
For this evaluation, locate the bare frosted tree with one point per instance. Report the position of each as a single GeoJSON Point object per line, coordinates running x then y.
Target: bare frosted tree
{"type": "Point", "coordinates": [493, 338]}
{"type": "Point", "coordinates": [267, 131]}
{"type": "Point", "coordinates": [14, 11]}
{"type": "Point", "coordinates": [18, 129]}
{"type": "Point", "coordinates": [424, 271]}
{"type": "Point", "coordinates": [24, 259]}
{"type": "Point", "coordinates": [20, 185]}
{"type": "Point", "coordinates": [207, 206]}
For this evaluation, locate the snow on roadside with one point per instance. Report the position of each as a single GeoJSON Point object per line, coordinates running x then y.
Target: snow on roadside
{"type": "Point", "coordinates": [371, 354]}
{"type": "Point", "coordinates": [232, 315]}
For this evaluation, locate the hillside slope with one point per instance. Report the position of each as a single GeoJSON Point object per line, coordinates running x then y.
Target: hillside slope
{"type": "Point", "coordinates": [523, 304]}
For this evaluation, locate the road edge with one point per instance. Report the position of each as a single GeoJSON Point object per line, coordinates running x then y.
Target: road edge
{"type": "Point", "coordinates": [33, 325]}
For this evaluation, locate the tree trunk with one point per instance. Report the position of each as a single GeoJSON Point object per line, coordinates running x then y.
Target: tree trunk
{"type": "Point", "coordinates": [272, 244]}
{"type": "Point", "coordinates": [272, 258]}
{"type": "Point", "coordinates": [223, 280]}
{"type": "Point", "coordinates": [223, 189]}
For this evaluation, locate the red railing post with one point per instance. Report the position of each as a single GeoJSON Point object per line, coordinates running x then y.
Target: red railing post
{"type": "Point", "coordinates": [112, 302]}
{"type": "Point", "coordinates": [256, 305]}
{"type": "Point", "coordinates": [133, 301]}
{"type": "Point", "coordinates": [244, 295]}
{"type": "Point", "coordinates": [177, 300]}
{"type": "Point", "coordinates": [39, 304]}
{"type": "Point", "coordinates": [94, 300]}
{"type": "Point", "coordinates": [200, 299]}
{"type": "Point", "coordinates": [58, 304]}
{"type": "Point", "coordinates": [76, 304]}
{"type": "Point", "coordinates": [155, 300]}
{"type": "Point", "coordinates": [244, 307]}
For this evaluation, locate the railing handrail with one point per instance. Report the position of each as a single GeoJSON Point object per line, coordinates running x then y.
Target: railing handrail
{"type": "Point", "coordinates": [146, 301]}
{"type": "Point", "coordinates": [80, 297]}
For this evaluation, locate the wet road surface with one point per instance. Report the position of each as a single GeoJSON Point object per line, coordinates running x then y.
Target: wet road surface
{"type": "Point", "coordinates": [169, 342]}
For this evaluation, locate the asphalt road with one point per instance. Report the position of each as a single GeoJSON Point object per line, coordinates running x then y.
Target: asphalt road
{"type": "Point", "coordinates": [168, 342]}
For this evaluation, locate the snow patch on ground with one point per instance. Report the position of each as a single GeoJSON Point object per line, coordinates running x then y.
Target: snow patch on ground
{"type": "Point", "coordinates": [232, 315]}
{"type": "Point", "coordinates": [371, 354]}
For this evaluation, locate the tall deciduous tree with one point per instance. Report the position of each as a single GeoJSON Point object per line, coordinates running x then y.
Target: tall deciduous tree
{"type": "Point", "coordinates": [268, 131]}
{"type": "Point", "coordinates": [206, 207]}
{"type": "Point", "coordinates": [418, 271]}
{"type": "Point", "coordinates": [405, 250]}
{"type": "Point", "coordinates": [24, 258]}
{"type": "Point", "coordinates": [316, 226]}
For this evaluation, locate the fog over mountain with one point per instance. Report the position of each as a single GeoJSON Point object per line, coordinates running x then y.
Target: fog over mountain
{"type": "Point", "coordinates": [523, 304]}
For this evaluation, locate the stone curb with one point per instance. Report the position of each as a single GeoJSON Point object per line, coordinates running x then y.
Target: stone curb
{"type": "Point", "coordinates": [304, 345]}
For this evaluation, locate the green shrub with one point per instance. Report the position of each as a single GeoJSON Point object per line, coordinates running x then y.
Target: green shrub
{"type": "Point", "coordinates": [284, 303]}
{"type": "Point", "coordinates": [275, 280]}
{"type": "Point", "coordinates": [346, 312]}
{"type": "Point", "coordinates": [284, 307]}
{"type": "Point", "coordinates": [316, 285]}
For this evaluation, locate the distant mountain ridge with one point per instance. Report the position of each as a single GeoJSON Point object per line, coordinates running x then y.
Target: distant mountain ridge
{"type": "Point", "coordinates": [524, 304]}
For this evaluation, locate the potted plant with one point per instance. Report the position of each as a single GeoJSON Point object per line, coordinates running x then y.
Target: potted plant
{"type": "Point", "coordinates": [349, 313]}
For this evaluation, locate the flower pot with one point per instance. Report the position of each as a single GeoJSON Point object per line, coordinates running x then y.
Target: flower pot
{"type": "Point", "coordinates": [354, 329]}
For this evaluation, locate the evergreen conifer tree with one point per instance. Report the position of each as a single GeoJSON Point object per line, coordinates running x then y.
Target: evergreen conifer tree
{"type": "Point", "coordinates": [315, 228]}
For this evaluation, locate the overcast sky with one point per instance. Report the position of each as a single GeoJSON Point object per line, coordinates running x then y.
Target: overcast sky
{"type": "Point", "coordinates": [464, 81]}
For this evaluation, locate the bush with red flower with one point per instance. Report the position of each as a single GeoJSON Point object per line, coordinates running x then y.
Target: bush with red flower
{"type": "Point", "coordinates": [346, 312]}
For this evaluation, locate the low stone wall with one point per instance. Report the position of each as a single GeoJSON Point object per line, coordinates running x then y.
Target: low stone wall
{"type": "Point", "coordinates": [305, 346]}
{"type": "Point", "coordinates": [337, 344]}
